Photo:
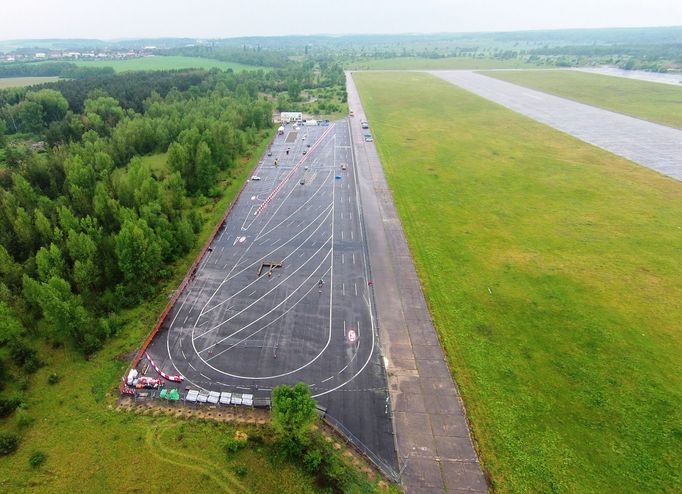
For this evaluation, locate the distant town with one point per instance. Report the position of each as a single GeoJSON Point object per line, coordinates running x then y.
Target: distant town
{"type": "Point", "coordinates": [27, 55]}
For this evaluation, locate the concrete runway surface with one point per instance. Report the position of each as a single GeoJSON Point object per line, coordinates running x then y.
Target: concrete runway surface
{"type": "Point", "coordinates": [652, 145]}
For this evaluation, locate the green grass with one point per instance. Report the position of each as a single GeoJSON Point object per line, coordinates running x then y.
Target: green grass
{"type": "Point", "coordinates": [553, 274]}
{"type": "Point", "coordinates": [91, 447]}
{"type": "Point", "coordinates": [661, 103]}
{"type": "Point", "coordinates": [166, 63]}
{"type": "Point", "coordinates": [417, 63]}
{"type": "Point", "coordinates": [24, 81]}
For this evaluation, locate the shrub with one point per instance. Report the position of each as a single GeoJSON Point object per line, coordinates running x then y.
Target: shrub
{"type": "Point", "coordinates": [240, 470]}
{"type": "Point", "coordinates": [53, 378]}
{"type": "Point", "coordinates": [37, 459]}
{"type": "Point", "coordinates": [312, 460]}
{"type": "Point", "coordinates": [9, 442]}
{"type": "Point", "coordinates": [233, 445]}
{"type": "Point", "coordinates": [24, 419]}
{"type": "Point", "coordinates": [8, 405]}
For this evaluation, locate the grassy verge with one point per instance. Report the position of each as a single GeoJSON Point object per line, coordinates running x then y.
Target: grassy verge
{"type": "Point", "coordinates": [167, 63]}
{"type": "Point", "coordinates": [661, 103]}
{"type": "Point", "coordinates": [418, 63]}
{"type": "Point", "coordinates": [553, 273]}
{"type": "Point", "coordinates": [24, 81]}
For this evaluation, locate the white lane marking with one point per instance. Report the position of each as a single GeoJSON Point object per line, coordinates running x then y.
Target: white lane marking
{"type": "Point", "coordinates": [330, 377]}
{"type": "Point", "coordinates": [194, 338]}
{"type": "Point", "coordinates": [353, 257]}
{"type": "Point", "coordinates": [352, 235]}
{"type": "Point", "coordinates": [261, 233]}
{"type": "Point", "coordinates": [343, 289]}
{"type": "Point", "coordinates": [290, 308]}
{"type": "Point", "coordinates": [269, 254]}
{"type": "Point", "coordinates": [371, 315]}
{"type": "Point", "coordinates": [343, 259]}
{"type": "Point", "coordinates": [356, 289]}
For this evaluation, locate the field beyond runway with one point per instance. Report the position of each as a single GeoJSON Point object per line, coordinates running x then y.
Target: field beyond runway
{"type": "Point", "coordinates": [553, 273]}
{"type": "Point", "coordinates": [167, 63]}
{"type": "Point", "coordinates": [282, 295]}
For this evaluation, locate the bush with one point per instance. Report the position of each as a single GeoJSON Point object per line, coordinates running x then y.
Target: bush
{"type": "Point", "coordinates": [9, 442]}
{"type": "Point", "coordinates": [37, 459]}
{"type": "Point", "coordinates": [8, 405]}
{"type": "Point", "coordinates": [240, 471]}
{"type": "Point", "coordinates": [312, 460]}
{"type": "Point", "coordinates": [233, 445]}
{"type": "Point", "coordinates": [24, 419]}
{"type": "Point", "coordinates": [53, 378]}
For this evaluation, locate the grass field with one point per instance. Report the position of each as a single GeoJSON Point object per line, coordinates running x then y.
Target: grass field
{"type": "Point", "coordinates": [166, 63]}
{"type": "Point", "coordinates": [24, 81]}
{"type": "Point", "coordinates": [553, 272]}
{"type": "Point", "coordinates": [416, 63]}
{"type": "Point", "coordinates": [661, 103]}
{"type": "Point", "coordinates": [91, 447]}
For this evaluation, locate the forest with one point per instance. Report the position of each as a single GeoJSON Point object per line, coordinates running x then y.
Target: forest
{"type": "Point", "coordinates": [87, 226]}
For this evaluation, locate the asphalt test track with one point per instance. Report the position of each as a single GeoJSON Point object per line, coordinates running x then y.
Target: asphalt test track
{"type": "Point", "coordinates": [233, 330]}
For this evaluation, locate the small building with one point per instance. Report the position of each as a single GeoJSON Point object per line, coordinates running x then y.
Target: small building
{"type": "Point", "coordinates": [290, 116]}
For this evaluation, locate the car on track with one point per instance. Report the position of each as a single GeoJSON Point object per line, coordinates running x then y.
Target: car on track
{"type": "Point", "coordinates": [302, 182]}
{"type": "Point", "coordinates": [368, 138]}
{"type": "Point", "coordinates": [343, 167]}
{"type": "Point", "coordinates": [255, 177]}
{"type": "Point", "coordinates": [365, 125]}
{"type": "Point", "coordinates": [305, 151]}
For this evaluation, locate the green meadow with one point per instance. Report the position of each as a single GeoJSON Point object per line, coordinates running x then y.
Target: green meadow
{"type": "Point", "coordinates": [553, 272]}
{"type": "Point", "coordinates": [653, 101]}
{"type": "Point", "coordinates": [166, 63]}
{"type": "Point", "coordinates": [6, 82]}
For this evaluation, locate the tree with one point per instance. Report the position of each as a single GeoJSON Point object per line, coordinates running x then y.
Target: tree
{"type": "Point", "coordinates": [50, 262]}
{"type": "Point", "coordinates": [64, 311]}
{"type": "Point", "coordinates": [293, 412]}
{"type": "Point", "coordinates": [10, 327]}
{"type": "Point", "coordinates": [138, 253]}
{"type": "Point", "coordinates": [53, 104]}
{"type": "Point", "coordinates": [294, 90]}
{"type": "Point", "coordinates": [205, 170]}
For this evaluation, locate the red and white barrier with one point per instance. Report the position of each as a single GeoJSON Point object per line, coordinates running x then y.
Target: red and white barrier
{"type": "Point", "coordinates": [176, 378]}
{"type": "Point", "coordinates": [291, 172]}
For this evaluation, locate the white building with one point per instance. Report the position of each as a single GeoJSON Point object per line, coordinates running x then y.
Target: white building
{"type": "Point", "coordinates": [290, 116]}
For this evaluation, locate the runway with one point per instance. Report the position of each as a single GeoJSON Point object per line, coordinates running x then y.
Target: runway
{"type": "Point", "coordinates": [652, 145]}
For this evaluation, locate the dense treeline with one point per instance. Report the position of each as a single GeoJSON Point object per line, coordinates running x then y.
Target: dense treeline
{"type": "Point", "coordinates": [246, 55]}
{"type": "Point", "coordinates": [67, 70]}
{"type": "Point", "coordinates": [88, 226]}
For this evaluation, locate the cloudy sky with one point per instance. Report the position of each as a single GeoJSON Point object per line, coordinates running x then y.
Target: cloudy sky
{"type": "Point", "coordinates": [228, 18]}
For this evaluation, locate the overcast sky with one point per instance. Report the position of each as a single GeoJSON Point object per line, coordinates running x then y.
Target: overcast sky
{"type": "Point", "coordinates": [228, 18]}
